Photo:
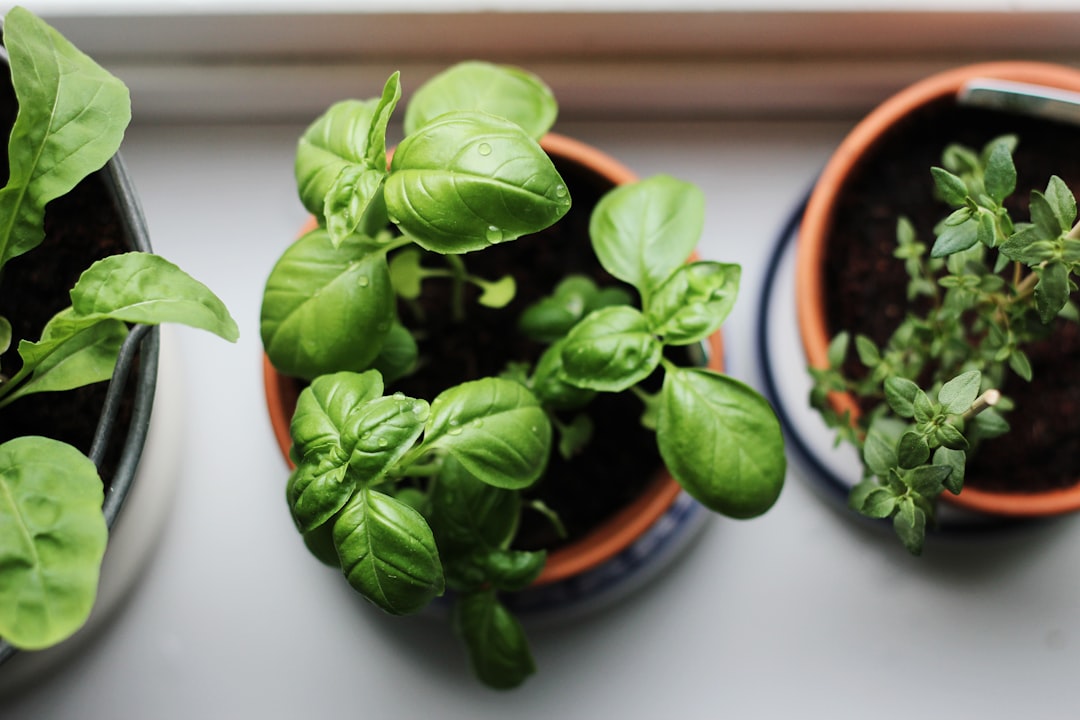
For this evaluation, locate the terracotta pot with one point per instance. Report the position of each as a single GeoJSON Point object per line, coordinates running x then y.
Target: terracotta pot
{"type": "Point", "coordinates": [818, 222]}
{"type": "Point", "coordinates": [619, 533]}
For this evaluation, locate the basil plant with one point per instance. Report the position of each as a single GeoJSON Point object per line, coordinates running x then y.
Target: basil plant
{"type": "Point", "coordinates": [71, 119]}
{"type": "Point", "coordinates": [411, 497]}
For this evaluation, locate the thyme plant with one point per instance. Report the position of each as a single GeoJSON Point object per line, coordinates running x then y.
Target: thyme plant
{"type": "Point", "coordinates": [991, 286]}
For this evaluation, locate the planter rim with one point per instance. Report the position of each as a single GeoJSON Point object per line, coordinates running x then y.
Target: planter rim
{"type": "Point", "coordinates": [817, 224]}
{"type": "Point", "coordinates": [621, 530]}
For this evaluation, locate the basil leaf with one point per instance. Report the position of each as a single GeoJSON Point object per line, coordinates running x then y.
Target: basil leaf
{"type": "Point", "coordinates": [467, 513]}
{"type": "Point", "coordinates": [498, 649]}
{"type": "Point", "coordinates": [385, 429]}
{"type": "Point", "coordinates": [387, 552]}
{"type": "Point", "coordinates": [324, 408]}
{"type": "Point", "coordinates": [550, 388]}
{"type": "Point", "coordinates": [509, 92]}
{"type": "Point", "coordinates": [694, 302]}
{"type": "Point", "coordinates": [144, 288]}
{"type": "Point", "coordinates": [495, 428]}
{"type": "Point", "coordinates": [469, 180]}
{"type": "Point", "coordinates": [610, 350]}
{"type": "Point", "coordinates": [326, 309]}
{"type": "Point", "coordinates": [349, 200]}
{"type": "Point", "coordinates": [398, 355]}
{"type": "Point", "coordinates": [316, 491]}
{"type": "Point", "coordinates": [721, 441]}
{"type": "Point", "coordinates": [642, 231]}
{"type": "Point", "coordinates": [53, 534]}
{"type": "Point", "coordinates": [71, 120]}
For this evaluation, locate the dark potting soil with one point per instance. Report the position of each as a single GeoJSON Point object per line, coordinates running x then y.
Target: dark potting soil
{"type": "Point", "coordinates": [622, 457]}
{"type": "Point", "coordinates": [866, 285]}
{"type": "Point", "coordinates": [80, 227]}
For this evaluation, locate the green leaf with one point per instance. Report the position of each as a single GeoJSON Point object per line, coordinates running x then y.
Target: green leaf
{"type": "Point", "coordinates": [5, 335]}
{"type": "Point", "coordinates": [913, 450]}
{"type": "Point", "coordinates": [385, 429]}
{"type": "Point", "coordinates": [642, 231]}
{"type": "Point", "coordinates": [900, 394]}
{"type": "Point", "coordinates": [468, 181]}
{"type": "Point", "coordinates": [575, 436]}
{"type": "Point", "coordinates": [406, 273]}
{"type": "Point", "coordinates": [316, 491]}
{"type": "Point", "coordinates": [610, 350]}
{"type": "Point", "coordinates": [952, 189]}
{"type": "Point", "coordinates": [53, 536]}
{"type": "Point", "coordinates": [552, 317]}
{"type": "Point", "coordinates": [1026, 246]}
{"type": "Point", "coordinates": [1052, 291]}
{"type": "Point", "coordinates": [71, 120]}
{"type": "Point", "coordinates": [502, 90]}
{"type": "Point", "coordinates": [324, 408]}
{"type": "Point", "coordinates": [398, 355]}
{"type": "Point", "coordinates": [498, 649]}
{"type": "Point", "coordinates": [467, 512]}
{"type": "Point", "coordinates": [956, 238]}
{"type": "Point", "coordinates": [1062, 202]}
{"type": "Point", "coordinates": [1020, 364]}
{"type": "Point", "coordinates": [868, 352]}
{"type": "Point", "coordinates": [513, 570]}
{"type": "Point", "coordinates": [910, 526]}
{"type": "Point", "coordinates": [550, 388]}
{"type": "Point", "coordinates": [721, 440]}
{"type": "Point", "coordinates": [838, 349]}
{"type": "Point", "coordinates": [879, 449]}
{"type": "Point", "coordinates": [144, 288]}
{"type": "Point", "coordinates": [347, 139]}
{"type": "Point", "coordinates": [958, 394]}
{"type": "Point", "coordinates": [497, 294]}
{"type": "Point", "coordinates": [1000, 175]}
{"type": "Point", "coordinates": [388, 553]}
{"type": "Point", "coordinates": [927, 480]}
{"type": "Point", "coordinates": [495, 428]}
{"type": "Point", "coordinates": [349, 199]}
{"type": "Point", "coordinates": [878, 503]}
{"type": "Point", "coordinates": [1043, 216]}
{"type": "Point", "coordinates": [326, 309]}
{"type": "Point", "coordinates": [950, 437]}
{"type": "Point", "coordinates": [69, 355]}
{"type": "Point", "coordinates": [956, 462]}
{"type": "Point", "coordinates": [693, 302]}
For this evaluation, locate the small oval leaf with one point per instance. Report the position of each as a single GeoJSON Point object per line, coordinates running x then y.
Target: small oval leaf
{"type": "Point", "coordinates": [610, 350]}
{"type": "Point", "coordinates": [694, 302]}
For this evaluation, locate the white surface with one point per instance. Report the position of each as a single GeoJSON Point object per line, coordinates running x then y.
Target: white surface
{"type": "Point", "coordinates": [801, 613]}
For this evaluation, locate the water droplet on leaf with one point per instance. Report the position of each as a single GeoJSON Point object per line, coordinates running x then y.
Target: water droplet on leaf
{"type": "Point", "coordinates": [484, 149]}
{"type": "Point", "coordinates": [494, 234]}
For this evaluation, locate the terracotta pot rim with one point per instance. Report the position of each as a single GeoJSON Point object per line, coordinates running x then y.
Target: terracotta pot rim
{"type": "Point", "coordinates": [620, 531]}
{"type": "Point", "coordinates": [817, 222]}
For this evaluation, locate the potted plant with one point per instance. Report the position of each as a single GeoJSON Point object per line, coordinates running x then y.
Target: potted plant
{"type": "Point", "coordinates": [962, 216]}
{"type": "Point", "coordinates": [452, 379]}
{"type": "Point", "coordinates": [79, 294]}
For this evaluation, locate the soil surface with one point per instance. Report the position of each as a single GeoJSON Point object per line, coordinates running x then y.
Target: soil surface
{"type": "Point", "coordinates": [865, 285]}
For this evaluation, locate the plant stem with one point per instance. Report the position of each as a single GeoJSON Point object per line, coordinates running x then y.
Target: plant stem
{"type": "Point", "coordinates": [987, 400]}
{"type": "Point", "coordinates": [457, 267]}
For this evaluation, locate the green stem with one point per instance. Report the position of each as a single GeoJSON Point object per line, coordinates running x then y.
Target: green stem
{"type": "Point", "coordinates": [457, 267]}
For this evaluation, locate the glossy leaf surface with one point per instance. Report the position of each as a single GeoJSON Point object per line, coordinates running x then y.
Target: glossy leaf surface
{"type": "Point", "coordinates": [468, 181]}
{"type": "Point", "coordinates": [326, 309]}
{"type": "Point", "coordinates": [502, 90]}
{"type": "Point", "coordinates": [642, 231]}
{"type": "Point", "coordinates": [387, 552]}
{"type": "Point", "coordinates": [498, 649]}
{"type": "Point", "coordinates": [610, 350]}
{"type": "Point", "coordinates": [694, 302]}
{"type": "Point", "coordinates": [721, 441]}
{"type": "Point", "coordinates": [495, 428]}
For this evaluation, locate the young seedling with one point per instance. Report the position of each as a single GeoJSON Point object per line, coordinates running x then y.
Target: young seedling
{"type": "Point", "coordinates": [71, 119]}
{"type": "Point", "coordinates": [992, 286]}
